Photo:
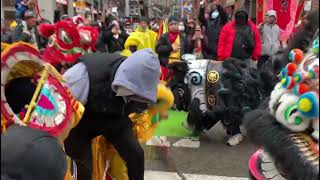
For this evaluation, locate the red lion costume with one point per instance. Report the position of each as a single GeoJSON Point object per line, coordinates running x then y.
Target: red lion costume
{"type": "Point", "coordinates": [68, 39]}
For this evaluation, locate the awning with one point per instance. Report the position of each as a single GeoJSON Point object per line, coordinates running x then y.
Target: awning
{"type": "Point", "coordinates": [64, 2]}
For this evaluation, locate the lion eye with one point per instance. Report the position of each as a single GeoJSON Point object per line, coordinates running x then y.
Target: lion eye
{"type": "Point", "coordinates": [65, 37]}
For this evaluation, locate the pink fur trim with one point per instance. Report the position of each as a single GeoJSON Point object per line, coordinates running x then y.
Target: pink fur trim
{"type": "Point", "coordinates": [253, 165]}
{"type": "Point", "coordinates": [46, 30]}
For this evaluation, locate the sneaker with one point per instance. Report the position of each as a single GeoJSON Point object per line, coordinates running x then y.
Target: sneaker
{"type": "Point", "coordinates": [235, 140]}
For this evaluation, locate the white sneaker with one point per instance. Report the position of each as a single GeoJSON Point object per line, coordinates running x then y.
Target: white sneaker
{"type": "Point", "coordinates": [235, 140]}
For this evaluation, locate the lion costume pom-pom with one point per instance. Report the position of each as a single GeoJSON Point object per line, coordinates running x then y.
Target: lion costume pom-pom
{"type": "Point", "coordinates": [46, 30]}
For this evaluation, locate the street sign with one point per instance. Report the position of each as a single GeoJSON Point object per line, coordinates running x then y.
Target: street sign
{"type": "Point", "coordinates": [114, 9]}
{"type": "Point", "coordinates": [307, 6]}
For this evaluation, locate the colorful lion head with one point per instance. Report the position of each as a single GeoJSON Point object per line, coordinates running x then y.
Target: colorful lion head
{"type": "Point", "coordinates": [288, 131]}
{"type": "Point", "coordinates": [33, 93]}
{"type": "Point", "coordinates": [68, 39]}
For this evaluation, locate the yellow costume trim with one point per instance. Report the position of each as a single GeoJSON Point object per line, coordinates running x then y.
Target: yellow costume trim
{"type": "Point", "coordinates": [4, 46]}
{"type": "Point", "coordinates": [32, 104]}
{"type": "Point", "coordinates": [175, 56]}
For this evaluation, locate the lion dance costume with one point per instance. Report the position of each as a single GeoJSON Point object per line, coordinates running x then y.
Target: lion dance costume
{"type": "Point", "coordinates": [288, 131]}
{"type": "Point", "coordinates": [33, 95]}
{"type": "Point", "coordinates": [68, 40]}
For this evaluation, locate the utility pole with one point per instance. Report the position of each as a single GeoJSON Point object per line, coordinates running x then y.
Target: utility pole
{"type": "Point", "coordinates": [104, 10]}
{"type": "Point", "coordinates": [150, 8]}
{"type": "Point", "coordinates": [70, 8]}
{"type": "Point", "coordinates": [250, 8]}
{"type": "Point", "coordinates": [47, 8]}
{"type": "Point", "coordinates": [2, 11]}
{"type": "Point", "coordinates": [126, 10]}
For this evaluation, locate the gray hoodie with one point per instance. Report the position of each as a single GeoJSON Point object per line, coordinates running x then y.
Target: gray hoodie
{"type": "Point", "coordinates": [140, 74]}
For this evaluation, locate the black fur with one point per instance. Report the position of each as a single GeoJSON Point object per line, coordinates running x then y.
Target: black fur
{"type": "Point", "coordinates": [265, 131]}
{"type": "Point", "coordinates": [242, 89]}
{"type": "Point", "coordinates": [179, 88]}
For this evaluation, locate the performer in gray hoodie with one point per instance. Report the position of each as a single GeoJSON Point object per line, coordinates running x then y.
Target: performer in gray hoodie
{"type": "Point", "coordinates": [111, 87]}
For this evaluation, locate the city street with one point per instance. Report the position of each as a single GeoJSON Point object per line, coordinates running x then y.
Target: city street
{"type": "Point", "coordinates": [127, 89]}
{"type": "Point", "coordinates": [209, 158]}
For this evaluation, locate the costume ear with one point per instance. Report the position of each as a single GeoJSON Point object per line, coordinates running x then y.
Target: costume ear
{"type": "Point", "coordinates": [78, 19]}
{"type": "Point", "coordinates": [46, 30]}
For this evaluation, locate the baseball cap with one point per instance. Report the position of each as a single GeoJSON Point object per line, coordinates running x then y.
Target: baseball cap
{"type": "Point", "coordinates": [29, 13]}
{"type": "Point", "coordinates": [272, 13]}
{"type": "Point", "coordinates": [31, 154]}
{"type": "Point", "coordinates": [228, 3]}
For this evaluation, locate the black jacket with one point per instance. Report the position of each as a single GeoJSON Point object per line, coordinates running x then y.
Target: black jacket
{"type": "Point", "coordinates": [101, 69]}
{"type": "Point", "coordinates": [112, 43]}
{"type": "Point", "coordinates": [164, 48]}
{"type": "Point", "coordinates": [213, 28]}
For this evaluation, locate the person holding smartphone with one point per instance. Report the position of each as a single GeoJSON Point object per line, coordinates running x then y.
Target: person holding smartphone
{"type": "Point", "coordinates": [114, 37]}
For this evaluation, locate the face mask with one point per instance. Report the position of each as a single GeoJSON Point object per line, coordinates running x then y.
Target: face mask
{"type": "Point", "coordinates": [215, 14]}
{"type": "Point", "coordinates": [181, 28]}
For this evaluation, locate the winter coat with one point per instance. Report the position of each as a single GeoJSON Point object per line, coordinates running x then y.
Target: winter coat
{"type": "Point", "coordinates": [227, 38]}
{"type": "Point", "coordinates": [112, 43]}
{"type": "Point", "coordinates": [213, 28]}
{"type": "Point", "coordinates": [164, 48]}
{"type": "Point", "coordinates": [270, 35]}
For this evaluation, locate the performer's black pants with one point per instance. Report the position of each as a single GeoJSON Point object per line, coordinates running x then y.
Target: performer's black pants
{"type": "Point", "coordinates": [118, 131]}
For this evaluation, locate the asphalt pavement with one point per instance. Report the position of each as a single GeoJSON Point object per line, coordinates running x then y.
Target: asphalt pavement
{"type": "Point", "coordinates": [205, 158]}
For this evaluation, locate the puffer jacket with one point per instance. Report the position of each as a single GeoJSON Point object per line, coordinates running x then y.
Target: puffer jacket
{"type": "Point", "coordinates": [227, 37]}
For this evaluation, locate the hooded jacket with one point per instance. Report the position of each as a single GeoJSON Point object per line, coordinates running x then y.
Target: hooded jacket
{"type": "Point", "coordinates": [147, 37]}
{"type": "Point", "coordinates": [227, 38]}
{"type": "Point", "coordinates": [99, 74]}
{"type": "Point", "coordinates": [270, 36]}
{"type": "Point", "coordinates": [213, 28]}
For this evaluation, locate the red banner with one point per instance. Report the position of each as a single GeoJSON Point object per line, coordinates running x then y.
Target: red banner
{"type": "Point", "coordinates": [287, 11]}
{"type": "Point", "coordinates": [283, 12]}
{"type": "Point", "coordinates": [260, 11]}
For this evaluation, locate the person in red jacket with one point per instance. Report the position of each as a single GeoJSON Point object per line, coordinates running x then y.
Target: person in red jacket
{"type": "Point", "coordinates": [239, 38]}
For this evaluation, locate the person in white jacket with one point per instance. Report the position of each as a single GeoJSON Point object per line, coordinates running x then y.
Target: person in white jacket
{"type": "Point", "coordinates": [270, 37]}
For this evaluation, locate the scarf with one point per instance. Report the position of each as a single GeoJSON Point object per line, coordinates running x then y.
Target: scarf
{"type": "Point", "coordinates": [173, 36]}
